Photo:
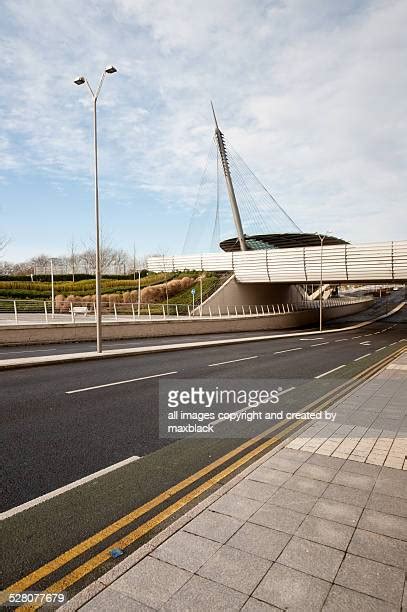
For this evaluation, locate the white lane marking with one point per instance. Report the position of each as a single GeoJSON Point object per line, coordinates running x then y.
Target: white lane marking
{"type": "Point", "coordinates": [393, 343]}
{"type": "Point", "coordinates": [211, 365]}
{"type": "Point", "coordinates": [362, 357]}
{"type": "Point", "coordinates": [286, 391]}
{"type": "Point", "coordinates": [381, 349]}
{"type": "Point", "coordinates": [403, 340]}
{"type": "Point", "coordinates": [299, 348]}
{"type": "Point", "coordinates": [342, 340]}
{"type": "Point", "coordinates": [330, 371]}
{"type": "Point", "coordinates": [28, 351]}
{"type": "Point", "coordinates": [355, 337]}
{"type": "Point", "coordinates": [378, 332]}
{"type": "Point", "coordinates": [366, 335]}
{"type": "Point", "coordinates": [366, 343]}
{"type": "Point", "coordinates": [311, 339]}
{"type": "Point", "coordinates": [68, 487]}
{"type": "Point", "coordinates": [319, 344]}
{"type": "Point", "coordinates": [247, 407]}
{"type": "Point", "coordinates": [120, 382]}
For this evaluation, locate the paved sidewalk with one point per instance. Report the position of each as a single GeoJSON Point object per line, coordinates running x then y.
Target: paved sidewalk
{"type": "Point", "coordinates": [319, 525]}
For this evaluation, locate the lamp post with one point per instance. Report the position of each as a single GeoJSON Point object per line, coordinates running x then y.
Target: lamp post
{"type": "Point", "coordinates": [322, 238]}
{"type": "Point", "coordinates": [52, 289]}
{"type": "Point", "coordinates": [80, 81]}
{"type": "Point", "coordinates": [139, 294]}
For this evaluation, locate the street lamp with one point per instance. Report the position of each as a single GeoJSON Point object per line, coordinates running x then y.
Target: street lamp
{"type": "Point", "coordinates": [52, 289]}
{"type": "Point", "coordinates": [322, 238]}
{"type": "Point", "coordinates": [80, 81]}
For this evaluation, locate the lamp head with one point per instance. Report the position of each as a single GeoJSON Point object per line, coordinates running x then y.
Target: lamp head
{"type": "Point", "coordinates": [79, 81]}
{"type": "Point", "coordinates": [110, 69]}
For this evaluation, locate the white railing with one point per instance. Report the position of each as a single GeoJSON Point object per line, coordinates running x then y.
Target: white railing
{"type": "Point", "coordinates": [385, 261]}
{"type": "Point", "coordinates": [26, 312]}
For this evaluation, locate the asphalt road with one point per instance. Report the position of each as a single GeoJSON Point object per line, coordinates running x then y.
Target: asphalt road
{"type": "Point", "coordinates": [50, 437]}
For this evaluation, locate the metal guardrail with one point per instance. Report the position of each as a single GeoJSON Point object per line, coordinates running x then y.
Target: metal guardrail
{"type": "Point", "coordinates": [44, 311]}
{"type": "Point", "coordinates": [385, 261]}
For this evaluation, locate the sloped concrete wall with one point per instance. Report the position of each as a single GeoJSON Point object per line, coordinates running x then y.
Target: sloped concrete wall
{"type": "Point", "coordinates": [232, 294]}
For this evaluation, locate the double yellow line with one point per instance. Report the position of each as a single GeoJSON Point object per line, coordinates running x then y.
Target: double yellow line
{"type": "Point", "coordinates": [94, 562]}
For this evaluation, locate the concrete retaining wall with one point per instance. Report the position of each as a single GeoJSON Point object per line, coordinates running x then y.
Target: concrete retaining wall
{"type": "Point", "coordinates": [48, 334]}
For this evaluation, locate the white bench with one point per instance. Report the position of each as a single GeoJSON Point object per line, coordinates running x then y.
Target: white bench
{"type": "Point", "coordinates": [79, 310]}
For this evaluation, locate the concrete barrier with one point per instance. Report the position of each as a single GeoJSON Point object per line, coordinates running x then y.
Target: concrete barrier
{"type": "Point", "coordinates": [58, 333]}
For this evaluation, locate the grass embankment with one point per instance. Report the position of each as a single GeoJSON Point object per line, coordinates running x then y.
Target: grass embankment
{"type": "Point", "coordinates": [23, 290]}
{"type": "Point", "coordinates": [155, 289]}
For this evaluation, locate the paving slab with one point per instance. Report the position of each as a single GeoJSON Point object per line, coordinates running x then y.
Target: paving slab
{"type": "Point", "coordinates": [235, 568]}
{"type": "Point", "coordinates": [337, 511]}
{"type": "Point", "coordinates": [111, 599]}
{"type": "Point", "coordinates": [341, 599]}
{"type": "Point", "coordinates": [261, 541]}
{"type": "Point", "coordinates": [276, 517]}
{"type": "Point", "coordinates": [311, 558]}
{"type": "Point", "coordinates": [379, 548]}
{"type": "Point", "coordinates": [261, 491]}
{"type": "Point", "coordinates": [386, 524]}
{"type": "Point", "coordinates": [292, 590]}
{"type": "Point", "coordinates": [346, 495]}
{"type": "Point", "coordinates": [186, 550]}
{"type": "Point", "coordinates": [238, 507]}
{"type": "Point", "coordinates": [214, 526]}
{"type": "Point", "coordinates": [325, 532]}
{"type": "Point", "coordinates": [151, 582]}
{"type": "Point", "coordinates": [372, 578]}
{"type": "Point", "coordinates": [201, 595]}
{"type": "Point", "coordinates": [305, 485]}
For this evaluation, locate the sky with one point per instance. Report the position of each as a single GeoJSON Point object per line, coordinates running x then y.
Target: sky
{"type": "Point", "coordinates": [310, 93]}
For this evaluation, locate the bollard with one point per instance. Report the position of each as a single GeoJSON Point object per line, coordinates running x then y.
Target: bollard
{"type": "Point", "coordinates": [15, 312]}
{"type": "Point", "coordinates": [133, 313]}
{"type": "Point", "coordinates": [115, 311]}
{"type": "Point", "coordinates": [72, 313]}
{"type": "Point", "coordinates": [149, 311]}
{"type": "Point", "coordinates": [46, 312]}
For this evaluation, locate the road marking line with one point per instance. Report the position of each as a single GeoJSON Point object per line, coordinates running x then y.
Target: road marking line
{"type": "Point", "coordinates": [211, 365]}
{"type": "Point", "coordinates": [92, 541]}
{"type": "Point", "coordinates": [120, 382]}
{"type": "Point", "coordinates": [393, 343]}
{"type": "Point", "coordinates": [299, 348]}
{"type": "Point", "coordinates": [310, 339]}
{"type": "Point", "coordinates": [286, 391]}
{"type": "Point", "coordinates": [366, 342]}
{"type": "Point", "coordinates": [366, 335]}
{"type": "Point", "coordinates": [362, 357]}
{"type": "Point", "coordinates": [380, 349]}
{"type": "Point", "coordinates": [320, 344]}
{"type": "Point", "coordinates": [68, 487]}
{"type": "Point", "coordinates": [354, 337]}
{"type": "Point", "coordinates": [342, 340]}
{"type": "Point", "coordinates": [378, 332]}
{"type": "Point", "coordinates": [330, 371]}
{"type": "Point", "coordinates": [28, 351]}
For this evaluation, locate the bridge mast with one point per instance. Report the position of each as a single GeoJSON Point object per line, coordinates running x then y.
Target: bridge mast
{"type": "Point", "coordinates": [229, 184]}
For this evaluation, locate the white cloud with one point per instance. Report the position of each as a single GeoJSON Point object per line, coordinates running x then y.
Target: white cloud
{"type": "Point", "coordinates": [311, 93]}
